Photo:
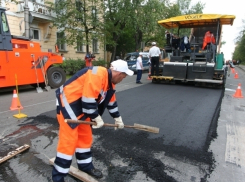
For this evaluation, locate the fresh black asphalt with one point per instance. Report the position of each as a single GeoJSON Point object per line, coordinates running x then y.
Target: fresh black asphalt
{"type": "Point", "coordinates": [186, 116]}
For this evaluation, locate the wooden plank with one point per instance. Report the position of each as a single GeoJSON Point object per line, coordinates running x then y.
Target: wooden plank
{"type": "Point", "coordinates": [77, 173]}
{"type": "Point", "coordinates": [14, 153]}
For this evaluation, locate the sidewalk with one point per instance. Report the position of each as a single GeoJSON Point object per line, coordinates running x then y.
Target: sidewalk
{"type": "Point", "coordinates": [229, 147]}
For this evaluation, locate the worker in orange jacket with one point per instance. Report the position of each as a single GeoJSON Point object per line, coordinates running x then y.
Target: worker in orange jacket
{"type": "Point", "coordinates": [208, 38]}
{"type": "Point", "coordinates": [88, 59]}
{"type": "Point", "coordinates": [84, 97]}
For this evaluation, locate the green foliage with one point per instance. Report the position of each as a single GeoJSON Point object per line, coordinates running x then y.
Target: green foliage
{"type": "Point", "coordinates": [128, 23]}
{"type": "Point", "coordinates": [100, 63]}
{"type": "Point", "coordinates": [239, 53]}
{"type": "Point", "coordinates": [71, 66]}
{"type": "Point", "coordinates": [122, 25]}
{"type": "Point", "coordinates": [80, 21]}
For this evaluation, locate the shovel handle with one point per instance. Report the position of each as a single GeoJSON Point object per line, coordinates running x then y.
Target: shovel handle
{"type": "Point", "coordinates": [94, 123]}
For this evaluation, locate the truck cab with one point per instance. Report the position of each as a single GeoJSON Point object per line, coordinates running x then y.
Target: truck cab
{"type": "Point", "coordinates": [22, 61]}
{"type": "Point", "coordinates": [5, 35]}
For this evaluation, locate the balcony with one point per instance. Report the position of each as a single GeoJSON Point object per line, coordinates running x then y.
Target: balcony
{"type": "Point", "coordinates": [39, 11]}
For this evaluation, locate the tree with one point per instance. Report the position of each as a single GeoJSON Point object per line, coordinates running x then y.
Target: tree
{"type": "Point", "coordinates": [239, 53]}
{"type": "Point", "coordinates": [78, 22]}
{"type": "Point", "coordinates": [124, 23]}
{"type": "Point", "coordinates": [116, 17]}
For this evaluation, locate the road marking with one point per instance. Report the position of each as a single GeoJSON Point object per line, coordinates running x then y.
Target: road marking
{"type": "Point", "coordinates": [228, 89]}
{"type": "Point", "coordinates": [120, 85]}
{"type": "Point", "coordinates": [31, 105]}
{"type": "Point", "coordinates": [235, 144]}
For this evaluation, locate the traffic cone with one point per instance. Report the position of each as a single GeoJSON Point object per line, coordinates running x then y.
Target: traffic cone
{"type": "Point", "coordinates": [149, 78]}
{"type": "Point", "coordinates": [232, 70]}
{"type": "Point", "coordinates": [236, 76]}
{"type": "Point", "coordinates": [238, 93]}
{"type": "Point", "coordinates": [15, 102]}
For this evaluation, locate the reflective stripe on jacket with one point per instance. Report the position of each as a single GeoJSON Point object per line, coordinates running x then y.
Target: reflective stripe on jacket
{"type": "Point", "coordinates": [86, 94]}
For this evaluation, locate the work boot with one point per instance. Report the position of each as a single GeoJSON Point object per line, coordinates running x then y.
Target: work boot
{"type": "Point", "coordinates": [95, 173]}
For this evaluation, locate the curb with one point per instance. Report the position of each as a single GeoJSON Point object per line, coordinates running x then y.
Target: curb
{"type": "Point", "coordinates": [241, 67]}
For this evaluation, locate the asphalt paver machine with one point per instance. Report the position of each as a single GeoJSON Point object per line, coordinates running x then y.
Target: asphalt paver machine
{"type": "Point", "coordinates": [194, 57]}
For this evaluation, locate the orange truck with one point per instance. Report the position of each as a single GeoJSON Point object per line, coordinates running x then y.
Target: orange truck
{"type": "Point", "coordinates": [23, 62]}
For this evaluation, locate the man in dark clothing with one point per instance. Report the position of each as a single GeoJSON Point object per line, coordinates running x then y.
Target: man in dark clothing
{"type": "Point", "coordinates": [154, 54]}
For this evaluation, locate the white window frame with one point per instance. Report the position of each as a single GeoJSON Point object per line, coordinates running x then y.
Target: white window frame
{"type": "Point", "coordinates": [32, 33]}
{"type": "Point", "coordinates": [94, 13]}
{"type": "Point", "coordinates": [61, 47]}
{"type": "Point", "coordinates": [80, 47]}
{"type": "Point", "coordinates": [95, 46]}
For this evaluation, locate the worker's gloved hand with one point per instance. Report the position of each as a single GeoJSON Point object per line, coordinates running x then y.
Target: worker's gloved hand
{"type": "Point", "coordinates": [119, 122]}
{"type": "Point", "coordinates": [99, 121]}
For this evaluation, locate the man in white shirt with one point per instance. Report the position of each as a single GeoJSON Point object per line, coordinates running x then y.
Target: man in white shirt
{"type": "Point", "coordinates": [139, 68]}
{"type": "Point", "coordinates": [154, 55]}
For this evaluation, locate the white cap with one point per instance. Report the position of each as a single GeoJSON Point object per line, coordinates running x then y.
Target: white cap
{"type": "Point", "coordinates": [141, 53]}
{"type": "Point", "coordinates": [153, 43]}
{"type": "Point", "coordinates": [121, 66]}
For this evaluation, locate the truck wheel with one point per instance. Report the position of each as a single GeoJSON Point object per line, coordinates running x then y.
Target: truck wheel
{"type": "Point", "coordinates": [56, 77]}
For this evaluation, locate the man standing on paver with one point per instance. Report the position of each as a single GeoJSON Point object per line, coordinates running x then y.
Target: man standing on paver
{"type": "Point", "coordinates": [154, 54]}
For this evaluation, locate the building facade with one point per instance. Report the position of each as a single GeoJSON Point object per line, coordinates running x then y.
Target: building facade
{"type": "Point", "coordinates": [41, 29]}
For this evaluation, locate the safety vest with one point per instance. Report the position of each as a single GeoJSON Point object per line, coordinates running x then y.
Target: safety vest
{"type": "Point", "coordinates": [208, 38]}
{"type": "Point", "coordinates": [86, 95]}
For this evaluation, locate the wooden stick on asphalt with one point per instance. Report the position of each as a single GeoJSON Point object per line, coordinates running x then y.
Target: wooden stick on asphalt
{"type": "Point", "coordinates": [77, 173]}
{"type": "Point", "coordinates": [136, 126]}
{"type": "Point", "coordinates": [14, 153]}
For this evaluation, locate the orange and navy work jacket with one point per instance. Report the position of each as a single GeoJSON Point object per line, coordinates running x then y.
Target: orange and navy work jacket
{"type": "Point", "coordinates": [86, 95]}
{"type": "Point", "coordinates": [208, 38]}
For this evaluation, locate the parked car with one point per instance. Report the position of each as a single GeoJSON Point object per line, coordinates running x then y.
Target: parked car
{"type": "Point", "coordinates": [231, 63]}
{"type": "Point", "coordinates": [132, 57]}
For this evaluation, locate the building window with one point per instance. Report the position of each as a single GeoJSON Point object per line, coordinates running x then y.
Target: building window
{"type": "Point", "coordinates": [4, 23]}
{"type": "Point", "coordinates": [60, 41]}
{"type": "Point", "coordinates": [35, 34]}
{"type": "Point", "coordinates": [79, 8]}
{"type": "Point", "coordinates": [80, 46]}
{"type": "Point", "coordinates": [95, 46]}
{"type": "Point", "coordinates": [94, 14]}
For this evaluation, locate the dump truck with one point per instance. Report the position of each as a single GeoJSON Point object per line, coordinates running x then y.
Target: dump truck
{"type": "Point", "coordinates": [23, 63]}
{"type": "Point", "coordinates": [194, 56]}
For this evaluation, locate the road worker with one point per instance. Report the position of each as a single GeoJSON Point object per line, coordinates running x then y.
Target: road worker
{"type": "Point", "coordinates": [208, 38]}
{"type": "Point", "coordinates": [88, 59]}
{"type": "Point", "coordinates": [84, 97]}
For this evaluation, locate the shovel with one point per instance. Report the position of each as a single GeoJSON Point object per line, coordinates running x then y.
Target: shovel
{"type": "Point", "coordinates": [44, 75]}
{"type": "Point", "coordinates": [136, 126]}
{"type": "Point", "coordinates": [39, 89]}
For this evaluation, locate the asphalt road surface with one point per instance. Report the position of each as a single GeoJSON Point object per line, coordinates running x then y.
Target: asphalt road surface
{"type": "Point", "coordinates": [186, 116]}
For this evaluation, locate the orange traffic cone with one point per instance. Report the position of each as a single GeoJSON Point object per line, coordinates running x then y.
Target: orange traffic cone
{"type": "Point", "coordinates": [232, 70]}
{"type": "Point", "coordinates": [238, 93]}
{"type": "Point", "coordinates": [236, 76]}
{"type": "Point", "coordinates": [149, 78]}
{"type": "Point", "coordinates": [15, 102]}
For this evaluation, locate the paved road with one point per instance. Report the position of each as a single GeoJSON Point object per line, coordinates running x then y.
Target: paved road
{"type": "Point", "coordinates": [186, 116]}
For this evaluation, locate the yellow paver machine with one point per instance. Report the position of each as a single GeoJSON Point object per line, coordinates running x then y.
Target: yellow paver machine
{"type": "Point", "coordinates": [194, 51]}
